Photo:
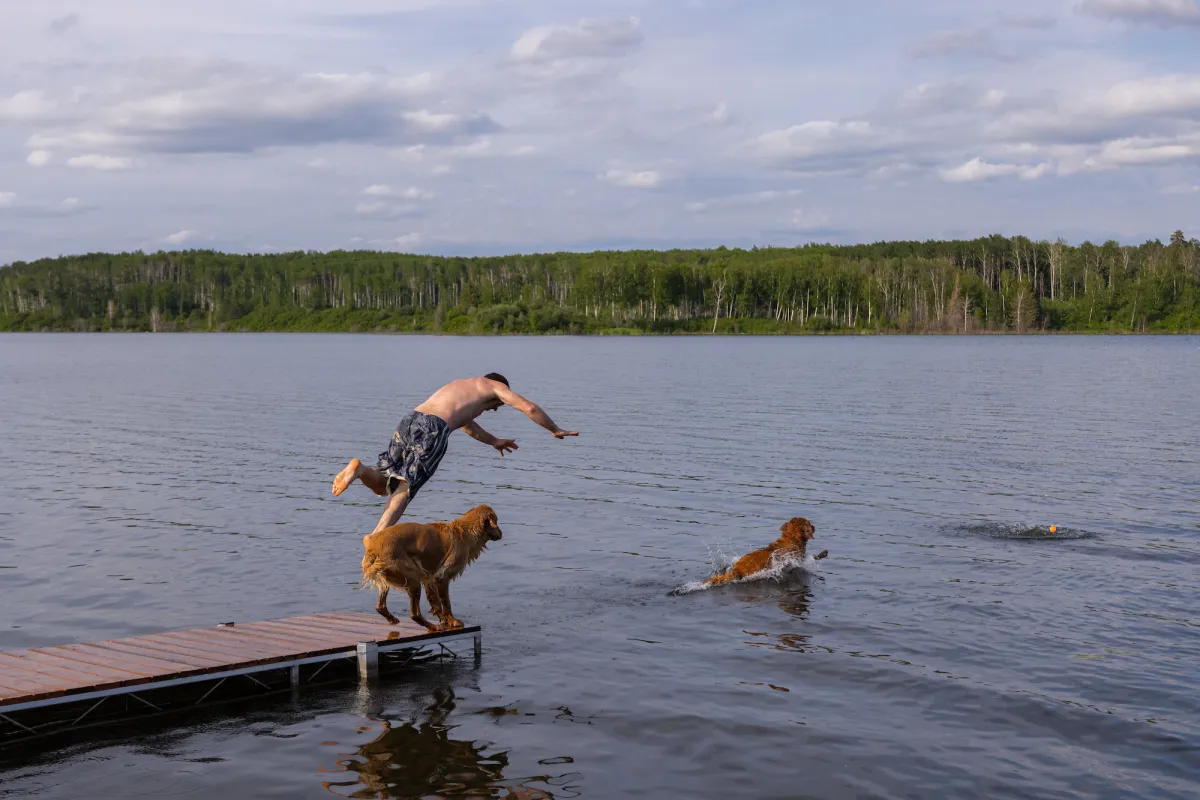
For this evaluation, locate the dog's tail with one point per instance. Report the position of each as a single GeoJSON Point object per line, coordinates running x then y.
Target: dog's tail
{"type": "Point", "coordinates": [372, 573]}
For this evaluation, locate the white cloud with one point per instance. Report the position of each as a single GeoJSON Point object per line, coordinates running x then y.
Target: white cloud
{"type": "Point", "coordinates": [994, 97]}
{"type": "Point", "coordinates": [644, 179]}
{"type": "Point", "coordinates": [589, 38]}
{"type": "Point", "coordinates": [1034, 172]}
{"type": "Point", "coordinates": [430, 122]}
{"type": "Point", "coordinates": [944, 96]}
{"type": "Point", "coordinates": [68, 207]}
{"type": "Point", "coordinates": [26, 106]}
{"type": "Point", "coordinates": [825, 147]}
{"type": "Point", "coordinates": [482, 147]}
{"type": "Point", "coordinates": [749, 199]}
{"type": "Point", "coordinates": [38, 158]}
{"type": "Point", "coordinates": [383, 190]}
{"type": "Point", "coordinates": [965, 43]}
{"type": "Point", "coordinates": [1163, 13]}
{"type": "Point", "coordinates": [1140, 151]}
{"type": "Point", "coordinates": [979, 170]}
{"type": "Point", "coordinates": [407, 243]}
{"type": "Point", "coordinates": [179, 237]}
{"type": "Point", "coordinates": [803, 220]}
{"type": "Point", "coordinates": [101, 162]}
{"type": "Point", "coordinates": [223, 108]}
{"type": "Point", "coordinates": [1166, 94]}
{"type": "Point", "coordinates": [476, 149]}
{"type": "Point", "coordinates": [720, 114]}
{"type": "Point", "coordinates": [378, 209]}
{"type": "Point", "coordinates": [1123, 109]}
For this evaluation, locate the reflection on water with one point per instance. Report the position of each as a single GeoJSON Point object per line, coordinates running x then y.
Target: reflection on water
{"type": "Point", "coordinates": [419, 757]}
{"type": "Point", "coordinates": [793, 595]}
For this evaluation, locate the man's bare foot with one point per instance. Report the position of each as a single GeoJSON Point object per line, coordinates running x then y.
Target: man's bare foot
{"type": "Point", "coordinates": [346, 476]}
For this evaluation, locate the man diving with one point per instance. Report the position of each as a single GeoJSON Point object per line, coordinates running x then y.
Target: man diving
{"type": "Point", "coordinates": [420, 440]}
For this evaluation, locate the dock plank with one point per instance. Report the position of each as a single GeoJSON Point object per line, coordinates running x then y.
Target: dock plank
{"type": "Point", "coordinates": [235, 650]}
{"type": "Point", "coordinates": [381, 630]}
{"type": "Point", "coordinates": [54, 674]}
{"type": "Point", "coordinates": [158, 649]}
{"type": "Point", "coordinates": [142, 666]}
{"type": "Point", "coordinates": [42, 656]}
{"type": "Point", "coordinates": [312, 632]}
{"type": "Point", "coordinates": [293, 637]}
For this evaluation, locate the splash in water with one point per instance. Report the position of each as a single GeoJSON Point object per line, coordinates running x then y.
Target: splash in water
{"type": "Point", "coordinates": [998, 530]}
{"type": "Point", "coordinates": [782, 565]}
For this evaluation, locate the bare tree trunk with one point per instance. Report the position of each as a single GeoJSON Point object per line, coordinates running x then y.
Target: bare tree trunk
{"type": "Point", "coordinates": [720, 293]}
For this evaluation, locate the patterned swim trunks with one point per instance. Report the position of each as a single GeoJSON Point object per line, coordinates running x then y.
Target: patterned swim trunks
{"type": "Point", "coordinates": [415, 451]}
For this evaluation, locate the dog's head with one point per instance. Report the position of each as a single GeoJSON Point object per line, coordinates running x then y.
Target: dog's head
{"type": "Point", "coordinates": [797, 530]}
{"type": "Point", "coordinates": [483, 522]}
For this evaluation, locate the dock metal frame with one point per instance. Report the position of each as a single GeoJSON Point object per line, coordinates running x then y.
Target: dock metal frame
{"type": "Point", "coordinates": [22, 721]}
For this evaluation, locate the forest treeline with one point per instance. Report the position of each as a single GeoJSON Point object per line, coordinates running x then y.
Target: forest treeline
{"type": "Point", "coordinates": [992, 284]}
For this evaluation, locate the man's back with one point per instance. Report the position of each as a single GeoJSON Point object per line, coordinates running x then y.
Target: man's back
{"type": "Point", "coordinates": [460, 401]}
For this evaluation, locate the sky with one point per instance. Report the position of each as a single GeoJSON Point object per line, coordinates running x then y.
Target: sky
{"type": "Point", "coordinates": [471, 127]}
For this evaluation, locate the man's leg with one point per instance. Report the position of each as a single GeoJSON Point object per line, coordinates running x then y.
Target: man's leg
{"type": "Point", "coordinates": [372, 478]}
{"type": "Point", "coordinates": [395, 507]}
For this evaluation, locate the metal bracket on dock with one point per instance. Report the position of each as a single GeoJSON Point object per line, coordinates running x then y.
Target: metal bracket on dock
{"type": "Point", "coordinates": [368, 661]}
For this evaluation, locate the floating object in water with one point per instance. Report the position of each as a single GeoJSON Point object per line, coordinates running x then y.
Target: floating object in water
{"type": "Point", "coordinates": [1054, 529]}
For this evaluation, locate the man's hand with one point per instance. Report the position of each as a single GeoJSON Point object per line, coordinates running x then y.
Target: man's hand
{"type": "Point", "coordinates": [504, 444]}
{"type": "Point", "coordinates": [565, 434]}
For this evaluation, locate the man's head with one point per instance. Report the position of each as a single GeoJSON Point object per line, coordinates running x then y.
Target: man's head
{"type": "Point", "coordinates": [496, 402]}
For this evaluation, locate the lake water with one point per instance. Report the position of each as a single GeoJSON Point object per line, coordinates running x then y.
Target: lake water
{"type": "Point", "coordinates": [946, 648]}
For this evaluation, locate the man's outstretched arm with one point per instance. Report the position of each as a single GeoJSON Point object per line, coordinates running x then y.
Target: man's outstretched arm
{"type": "Point", "coordinates": [476, 432]}
{"type": "Point", "coordinates": [531, 410]}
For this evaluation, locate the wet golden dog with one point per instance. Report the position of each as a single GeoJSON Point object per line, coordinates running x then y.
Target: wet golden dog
{"type": "Point", "coordinates": [411, 555]}
{"type": "Point", "coordinates": [796, 534]}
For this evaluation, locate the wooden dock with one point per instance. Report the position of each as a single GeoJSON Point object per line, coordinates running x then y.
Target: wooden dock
{"type": "Point", "coordinates": [51, 689]}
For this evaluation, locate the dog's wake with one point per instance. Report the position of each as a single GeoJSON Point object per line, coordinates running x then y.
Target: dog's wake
{"type": "Point", "coordinates": [782, 564]}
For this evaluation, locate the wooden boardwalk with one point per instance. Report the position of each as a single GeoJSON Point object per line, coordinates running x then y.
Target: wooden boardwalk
{"type": "Point", "coordinates": [142, 668]}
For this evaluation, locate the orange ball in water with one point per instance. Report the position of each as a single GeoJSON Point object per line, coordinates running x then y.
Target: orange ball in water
{"type": "Point", "coordinates": [1054, 529]}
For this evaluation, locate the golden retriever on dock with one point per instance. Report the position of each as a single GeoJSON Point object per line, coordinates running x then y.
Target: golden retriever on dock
{"type": "Point", "coordinates": [411, 555]}
{"type": "Point", "coordinates": [797, 532]}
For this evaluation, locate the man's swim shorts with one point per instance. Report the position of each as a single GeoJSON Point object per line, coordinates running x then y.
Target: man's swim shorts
{"type": "Point", "coordinates": [415, 451]}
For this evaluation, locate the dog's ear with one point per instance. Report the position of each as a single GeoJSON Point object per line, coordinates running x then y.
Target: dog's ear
{"type": "Point", "coordinates": [481, 519]}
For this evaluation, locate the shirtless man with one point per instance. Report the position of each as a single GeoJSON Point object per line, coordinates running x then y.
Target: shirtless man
{"type": "Point", "coordinates": [420, 439]}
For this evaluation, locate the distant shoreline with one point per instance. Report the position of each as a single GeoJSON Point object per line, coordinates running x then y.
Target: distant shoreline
{"type": "Point", "coordinates": [994, 285]}
{"type": "Point", "coordinates": [630, 334]}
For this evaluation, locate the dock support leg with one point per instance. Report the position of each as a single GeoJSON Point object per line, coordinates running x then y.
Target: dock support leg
{"type": "Point", "coordinates": [478, 649]}
{"type": "Point", "coordinates": [368, 661]}
{"type": "Point", "coordinates": [294, 674]}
